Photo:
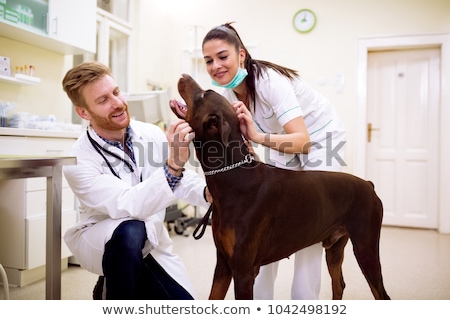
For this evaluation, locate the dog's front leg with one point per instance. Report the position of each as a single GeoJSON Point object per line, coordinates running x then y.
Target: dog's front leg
{"type": "Point", "coordinates": [221, 280]}
{"type": "Point", "coordinates": [244, 280]}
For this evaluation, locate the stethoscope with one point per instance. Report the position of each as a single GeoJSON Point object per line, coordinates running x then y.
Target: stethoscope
{"type": "Point", "coordinates": [100, 150]}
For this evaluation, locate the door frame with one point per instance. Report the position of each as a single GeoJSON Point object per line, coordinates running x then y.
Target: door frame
{"type": "Point", "coordinates": [378, 43]}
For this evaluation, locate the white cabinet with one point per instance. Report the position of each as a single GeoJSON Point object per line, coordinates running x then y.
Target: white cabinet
{"type": "Point", "coordinates": [63, 26]}
{"type": "Point", "coordinates": [73, 22]}
{"type": "Point", "coordinates": [23, 209]}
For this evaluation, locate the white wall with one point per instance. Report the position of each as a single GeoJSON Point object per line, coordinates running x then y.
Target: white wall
{"type": "Point", "coordinates": [164, 31]}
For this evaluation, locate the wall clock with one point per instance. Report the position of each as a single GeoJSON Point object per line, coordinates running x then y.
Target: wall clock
{"type": "Point", "coordinates": [304, 20]}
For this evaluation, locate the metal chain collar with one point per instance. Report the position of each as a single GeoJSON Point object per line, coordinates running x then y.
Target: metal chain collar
{"type": "Point", "coordinates": [248, 159]}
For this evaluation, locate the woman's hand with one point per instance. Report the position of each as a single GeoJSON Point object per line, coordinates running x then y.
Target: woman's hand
{"type": "Point", "coordinates": [179, 135]}
{"type": "Point", "coordinates": [295, 140]}
{"type": "Point", "coordinates": [246, 123]}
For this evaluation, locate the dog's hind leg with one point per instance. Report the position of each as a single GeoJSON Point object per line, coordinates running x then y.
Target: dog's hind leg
{"type": "Point", "coordinates": [335, 257]}
{"type": "Point", "coordinates": [369, 261]}
{"type": "Point", "coordinates": [365, 237]}
{"type": "Point", "coordinates": [221, 280]}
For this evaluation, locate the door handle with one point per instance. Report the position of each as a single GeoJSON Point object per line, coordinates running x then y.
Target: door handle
{"type": "Point", "coordinates": [370, 128]}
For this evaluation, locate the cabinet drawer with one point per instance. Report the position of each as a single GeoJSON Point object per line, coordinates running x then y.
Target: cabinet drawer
{"type": "Point", "coordinates": [49, 147]}
{"type": "Point", "coordinates": [14, 145]}
{"type": "Point", "coordinates": [37, 202]}
{"type": "Point", "coordinates": [36, 146]}
{"type": "Point", "coordinates": [36, 239]}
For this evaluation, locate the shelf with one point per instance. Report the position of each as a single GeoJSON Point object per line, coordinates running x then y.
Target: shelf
{"type": "Point", "coordinates": [36, 38]}
{"type": "Point", "coordinates": [20, 80]}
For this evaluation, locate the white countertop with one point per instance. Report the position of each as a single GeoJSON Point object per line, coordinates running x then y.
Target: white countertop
{"type": "Point", "coordinates": [21, 132]}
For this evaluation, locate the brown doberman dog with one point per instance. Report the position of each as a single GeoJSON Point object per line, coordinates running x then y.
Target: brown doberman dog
{"type": "Point", "coordinates": [262, 214]}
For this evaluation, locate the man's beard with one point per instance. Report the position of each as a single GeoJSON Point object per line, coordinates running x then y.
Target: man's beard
{"type": "Point", "coordinates": [108, 123]}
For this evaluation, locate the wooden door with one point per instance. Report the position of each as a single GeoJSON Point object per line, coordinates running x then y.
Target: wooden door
{"type": "Point", "coordinates": [403, 134]}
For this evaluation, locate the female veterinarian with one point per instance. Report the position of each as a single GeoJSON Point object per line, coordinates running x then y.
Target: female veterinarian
{"type": "Point", "coordinates": [299, 127]}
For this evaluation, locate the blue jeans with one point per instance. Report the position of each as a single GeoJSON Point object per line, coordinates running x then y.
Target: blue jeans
{"type": "Point", "coordinates": [129, 275]}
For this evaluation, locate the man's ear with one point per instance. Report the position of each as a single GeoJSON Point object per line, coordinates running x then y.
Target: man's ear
{"type": "Point", "coordinates": [83, 113]}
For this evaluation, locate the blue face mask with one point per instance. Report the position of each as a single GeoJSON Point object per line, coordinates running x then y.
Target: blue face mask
{"type": "Point", "coordinates": [237, 80]}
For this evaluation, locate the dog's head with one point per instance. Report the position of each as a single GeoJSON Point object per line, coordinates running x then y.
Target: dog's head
{"type": "Point", "coordinates": [209, 114]}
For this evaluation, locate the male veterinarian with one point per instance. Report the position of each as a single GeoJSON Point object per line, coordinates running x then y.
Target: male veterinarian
{"type": "Point", "coordinates": [127, 173]}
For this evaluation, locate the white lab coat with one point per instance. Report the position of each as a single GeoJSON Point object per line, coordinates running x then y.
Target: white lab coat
{"type": "Point", "coordinates": [106, 201]}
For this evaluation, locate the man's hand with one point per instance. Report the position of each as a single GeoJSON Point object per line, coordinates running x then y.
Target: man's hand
{"type": "Point", "coordinates": [208, 196]}
{"type": "Point", "coordinates": [179, 135]}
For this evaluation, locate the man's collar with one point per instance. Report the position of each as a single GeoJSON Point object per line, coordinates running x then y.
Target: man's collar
{"type": "Point", "coordinates": [128, 137]}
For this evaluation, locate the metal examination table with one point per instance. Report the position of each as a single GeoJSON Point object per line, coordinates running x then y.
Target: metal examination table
{"type": "Point", "coordinates": [19, 167]}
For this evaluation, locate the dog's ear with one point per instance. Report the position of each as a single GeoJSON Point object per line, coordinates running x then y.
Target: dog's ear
{"type": "Point", "coordinates": [217, 126]}
{"type": "Point", "coordinates": [225, 132]}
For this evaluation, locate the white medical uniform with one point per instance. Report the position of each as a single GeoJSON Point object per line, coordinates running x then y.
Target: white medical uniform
{"type": "Point", "coordinates": [279, 100]}
{"type": "Point", "coordinates": [106, 201]}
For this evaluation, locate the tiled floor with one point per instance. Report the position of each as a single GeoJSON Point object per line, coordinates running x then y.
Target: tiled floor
{"type": "Point", "coordinates": [416, 266]}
